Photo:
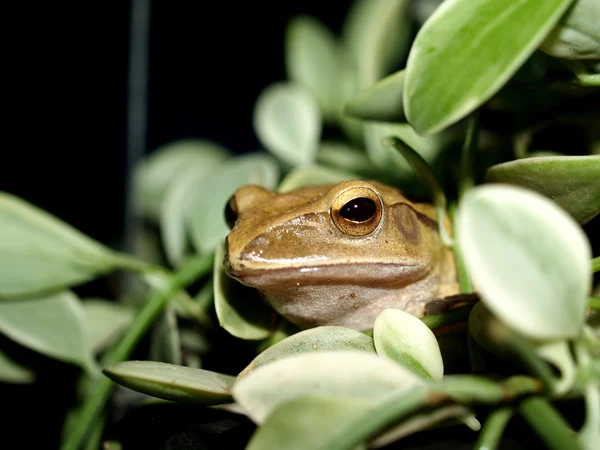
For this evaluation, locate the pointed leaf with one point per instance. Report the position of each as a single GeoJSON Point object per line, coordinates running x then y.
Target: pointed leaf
{"type": "Point", "coordinates": [406, 340]}
{"type": "Point", "coordinates": [571, 181]}
{"type": "Point", "coordinates": [577, 35]}
{"type": "Point", "coordinates": [529, 260]}
{"type": "Point", "coordinates": [40, 253]}
{"type": "Point", "coordinates": [382, 102]}
{"type": "Point", "coordinates": [170, 382]}
{"type": "Point", "coordinates": [350, 373]}
{"type": "Point", "coordinates": [313, 175]}
{"type": "Point", "coordinates": [288, 122]}
{"type": "Point", "coordinates": [53, 326]}
{"type": "Point", "coordinates": [308, 422]}
{"type": "Point", "coordinates": [207, 221]}
{"type": "Point", "coordinates": [319, 339]}
{"type": "Point", "coordinates": [105, 321]}
{"type": "Point", "coordinates": [156, 172]}
{"type": "Point", "coordinates": [13, 372]}
{"type": "Point", "coordinates": [311, 55]}
{"type": "Point", "coordinates": [466, 51]}
{"type": "Point", "coordinates": [239, 309]}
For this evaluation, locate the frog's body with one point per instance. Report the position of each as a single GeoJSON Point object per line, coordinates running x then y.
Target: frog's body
{"type": "Point", "coordinates": [322, 257]}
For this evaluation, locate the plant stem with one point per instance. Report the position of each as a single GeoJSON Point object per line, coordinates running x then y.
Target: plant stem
{"type": "Point", "coordinates": [94, 403]}
{"type": "Point", "coordinates": [466, 180]}
{"type": "Point", "coordinates": [594, 303]}
{"type": "Point", "coordinates": [596, 264]}
{"type": "Point", "coordinates": [492, 431]}
{"type": "Point", "coordinates": [548, 424]}
{"type": "Point", "coordinates": [464, 279]}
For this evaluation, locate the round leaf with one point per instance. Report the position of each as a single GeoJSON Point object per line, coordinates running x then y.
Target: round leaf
{"type": "Point", "coordinates": [39, 252]}
{"type": "Point", "coordinates": [13, 372]}
{"type": "Point", "coordinates": [170, 382]}
{"type": "Point", "coordinates": [529, 260]}
{"type": "Point", "coordinates": [577, 35]}
{"type": "Point", "coordinates": [313, 175]}
{"type": "Point", "coordinates": [340, 155]}
{"type": "Point", "coordinates": [155, 174]}
{"type": "Point", "coordinates": [571, 181]}
{"type": "Point", "coordinates": [207, 222]}
{"type": "Point", "coordinates": [348, 373]}
{"type": "Point", "coordinates": [382, 102]}
{"type": "Point", "coordinates": [288, 122]}
{"type": "Point", "coordinates": [406, 340]}
{"type": "Point", "coordinates": [307, 422]}
{"type": "Point", "coordinates": [311, 55]}
{"type": "Point", "coordinates": [239, 309]}
{"type": "Point", "coordinates": [466, 51]}
{"type": "Point", "coordinates": [319, 339]}
{"type": "Point", "coordinates": [105, 321]}
{"type": "Point", "coordinates": [53, 326]}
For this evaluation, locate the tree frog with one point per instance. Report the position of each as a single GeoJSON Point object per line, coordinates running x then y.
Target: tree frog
{"type": "Point", "coordinates": [338, 254]}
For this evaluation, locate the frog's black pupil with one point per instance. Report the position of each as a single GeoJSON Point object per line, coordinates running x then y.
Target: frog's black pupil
{"type": "Point", "coordinates": [230, 214]}
{"type": "Point", "coordinates": [359, 210]}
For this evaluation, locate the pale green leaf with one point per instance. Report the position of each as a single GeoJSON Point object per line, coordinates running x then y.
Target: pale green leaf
{"type": "Point", "coordinates": [40, 253]}
{"type": "Point", "coordinates": [105, 321]}
{"type": "Point", "coordinates": [319, 339]}
{"type": "Point", "coordinates": [340, 155]}
{"type": "Point", "coordinates": [577, 35]}
{"type": "Point", "coordinates": [13, 372]}
{"type": "Point", "coordinates": [406, 340]}
{"type": "Point", "coordinates": [571, 181]}
{"type": "Point", "coordinates": [156, 172]}
{"type": "Point", "coordinates": [313, 175]}
{"type": "Point", "coordinates": [528, 258]}
{"type": "Point", "coordinates": [165, 345]}
{"type": "Point", "coordinates": [52, 325]}
{"type": "Point", "coordinates": [466, 51]}
{"type": "Point", "coordinates": [288, 122]}
{"type": "Point", "coordinates": [311, 58]}
{"type": "Point", "coordinates": [356, 374]}
{"type": "Point", "coordinates": [239, 309]}
{"type": "Point", "coordinates": [171, 382]}
{"type": "Point", "coordinates": [308, 422]}
{"type": "Point", "coordinates": [382, 102]}
{"type": "Point", "coordinates": [207, 222]}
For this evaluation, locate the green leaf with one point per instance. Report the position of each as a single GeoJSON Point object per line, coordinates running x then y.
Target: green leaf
{"type": "Point", "coordinates": [207, 222]}
{"type": "Point", "coordinates": [170, 382]}
{"type": "Point", "coordinates": [340, 155]}
{"type": "Point", "coordinates": [105, 321]}
{"type": "Point", "coordinates": [13, 372]}
{"type": "Point", "coordinates": [165, 345]}
{"type": "Point", "coordinates": [466, 51]}
{"type": "Point", "coordinates": [319, 339]}
{"type": "Point", "coordinates": [311, 54]}
{"type": "Point", "coordinates": [239, 310]}
{"type": "Point", "coordinates": [350, 373]}
{"type": "Point", "coordinates": [288, 123]}
{"type": "Point", "coordinates": [571, 181]}
{"type": "Point", "coordinates": [376, 33]}
{"type": "Point", "coordinates": [313, 175]}
{"type": "Point", "coordinates": [155, 173]}
{"type": "Point", "coordinates": [577, 35]}
{"type": "Point", "coordinates": [40, 253]}
{"type": "Point", "coordinates": [529, 260]}
{"type": "Point", "coordinates": [406, 340]}
{"type": "Point", "coordinates": [53, 326]}
{"type": "Point", "coordinates": [382, 102]}
{"type": "Point", "coordinates": [307, 422]}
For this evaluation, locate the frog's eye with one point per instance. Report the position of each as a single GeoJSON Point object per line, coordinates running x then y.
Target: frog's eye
{"type": "Point", "coordinates": [357, 211]}
{"type": "Point", "coordinates": [231, 212]}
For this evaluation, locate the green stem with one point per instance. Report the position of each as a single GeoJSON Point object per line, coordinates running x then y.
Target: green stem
{"type": "Point", "coordinates": [466, 169]}
{"type": "Point", "coordinates": [548, 424]}
{"type": "Point", "coordinates": [594, 303]}
{"type": "Point", "coordinates": [596, 264]}
{"type": "Point", "coordinates": [464, 279]}
{"type": "Point", "coordinates": [97, 398]}
{"type": "Point", "coordinates": [492, 430]}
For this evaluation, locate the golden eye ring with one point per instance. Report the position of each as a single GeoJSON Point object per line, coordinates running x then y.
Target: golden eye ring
{"type": "Point", "coordinates": [357, 211]}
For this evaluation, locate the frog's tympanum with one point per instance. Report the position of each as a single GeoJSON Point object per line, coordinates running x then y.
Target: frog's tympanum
{"type": "Point", "coordinates": [338, 254]}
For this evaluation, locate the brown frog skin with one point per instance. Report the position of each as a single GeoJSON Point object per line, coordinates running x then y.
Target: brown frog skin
{"type": "Point", "coordinates": [338, 254]}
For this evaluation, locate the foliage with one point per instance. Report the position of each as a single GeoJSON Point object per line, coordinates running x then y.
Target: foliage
{"type": "Point", "coordinates": [465, 112]}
